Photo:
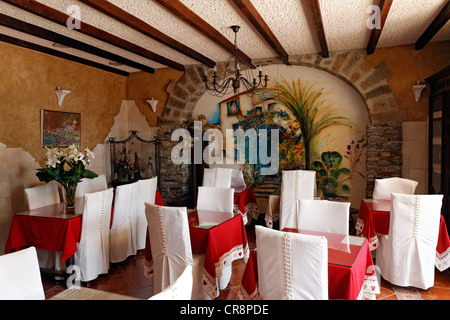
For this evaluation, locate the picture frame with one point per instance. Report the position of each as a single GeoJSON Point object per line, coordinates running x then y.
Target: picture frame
{"type": "Point", "coordinates": [60, 129]}
{"type": "Point", "coordinates": [233, 108]}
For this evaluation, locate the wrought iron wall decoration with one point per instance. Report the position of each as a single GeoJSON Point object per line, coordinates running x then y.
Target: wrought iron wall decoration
{"type": "Point", "coordinates": [130, 162]}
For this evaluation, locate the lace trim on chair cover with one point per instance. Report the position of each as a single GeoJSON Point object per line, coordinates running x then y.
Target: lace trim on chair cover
{"type": "Point", "coordinates": [151, 192]}
{"type": "Point", "coordinates": [287, 270]}
{"type": "Point", "coordinates": [417, 214]}
{"type": "Point", "coordinates": [215, 178]}
{"type": "Point", "coordinates": [163, 231]}
{"type": "Point", "coordinates": [102, 213]}
{"type": "Point", "coordinates": [296, 186]}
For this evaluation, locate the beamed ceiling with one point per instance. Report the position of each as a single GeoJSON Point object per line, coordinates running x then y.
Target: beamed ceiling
{"type": "Point", "coordinates": [125, 36]}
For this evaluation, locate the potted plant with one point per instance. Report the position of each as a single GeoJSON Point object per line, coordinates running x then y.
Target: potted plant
{"type": "Point", "coordinates": [67, 167]}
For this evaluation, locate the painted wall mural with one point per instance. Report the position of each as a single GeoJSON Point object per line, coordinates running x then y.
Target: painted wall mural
{"type": "Point", "coordinates": [322, 122]}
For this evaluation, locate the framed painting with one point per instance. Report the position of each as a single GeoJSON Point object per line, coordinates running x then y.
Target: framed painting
{"type": "Point", "coordinates": [60, 129]}
{"type": "Point", "coordinates": [233, 108]}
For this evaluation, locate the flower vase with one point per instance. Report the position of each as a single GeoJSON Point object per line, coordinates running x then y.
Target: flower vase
{"type": "Point", "coordinates": [70, 198]}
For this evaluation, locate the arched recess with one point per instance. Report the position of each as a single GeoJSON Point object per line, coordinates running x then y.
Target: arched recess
{"type": "Point", "coordinates": [352, 67]}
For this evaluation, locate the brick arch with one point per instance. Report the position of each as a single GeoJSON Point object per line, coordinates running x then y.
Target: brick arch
{"type": "Point", "coordinates": [352, 67]}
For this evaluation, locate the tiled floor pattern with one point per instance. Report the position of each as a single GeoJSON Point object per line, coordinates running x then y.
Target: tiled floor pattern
{"type": "Point", "coordinates": [128, 278]}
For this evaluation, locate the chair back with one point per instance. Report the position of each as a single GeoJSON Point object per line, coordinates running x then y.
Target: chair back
{"type": "Point", "coordinates": [295, 185]}
{"type": "Point", "coordinates": [217, 177]}
{"type": "Point", "coordinates": [170, 242]}
{"type": "Point", "coordinates": [215, 199]}
{"type": "Point", "coordinates": [181, 289]}
{"type": "Point", "coordinates": [91, 185]}
{"type": "Point", "coordinates": [324, 216]}
{"type": "Point", "coordinates": [42, 196]}
{"type": "Point", "coordinates": [383, 188]}
{"type": "Point", "coordinates": [237, 181]}
{"type": "Point", "coordinates": [122, 236]}
{"type": "Point", "coordinates": [20, 277]}
{"type": "Point", "coordinates": [412, 240]}
{"type": "Point", "coordinates": [146, 193]}
{"type": "Point", "coordinates": [291, 266]}
{"type": "Point", "coordinates": [92, 254]}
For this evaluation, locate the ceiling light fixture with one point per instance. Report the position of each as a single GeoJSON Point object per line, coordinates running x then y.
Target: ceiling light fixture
{"type": "Point", "coordinates": [235, 82]}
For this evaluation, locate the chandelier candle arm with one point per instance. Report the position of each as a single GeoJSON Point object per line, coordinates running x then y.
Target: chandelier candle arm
{"type": "Point", "coordinates": [237, 80]}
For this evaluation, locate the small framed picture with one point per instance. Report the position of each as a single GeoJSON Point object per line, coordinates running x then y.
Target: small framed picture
{"type": "Point", "coordinates": [60, 129]}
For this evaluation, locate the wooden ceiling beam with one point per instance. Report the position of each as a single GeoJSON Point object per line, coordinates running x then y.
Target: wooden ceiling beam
{"type": "Point", "coordinates": [385, 6]}
{"type": "Point", "coordinates": [137, 24]}
{"type": "Point", "coordinates": [59, 17]}
{"type": "Point", "coordinates": [436, 25]}
{"type": "Point", "coordinates": [184, 13]}
{"type": "Point", "coordinates": [43, 33]}
{"type": "Point", "coordinates": [60, 54]}
{"type": "Point", "coordinates": [320, 30]}
{"type": "Point", "coordinates": [250, 12]}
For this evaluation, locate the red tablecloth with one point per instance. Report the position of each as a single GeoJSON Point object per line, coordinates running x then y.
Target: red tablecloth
{"type": "Point", "coordinates": [349, 283]}
{"type": "Point", "coordinates": [373, 222]}
{"type": "Point", "coordinates": [45, 233]}
{"type": "Point", "coordinates": [221, 244]}
{"type": "Point", "coordinates": [48, 233]}
{"type": "Point", "coordinates": [245, 204]}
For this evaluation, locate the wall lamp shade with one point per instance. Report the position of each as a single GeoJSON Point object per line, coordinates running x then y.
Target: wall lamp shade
{"type": "Point", "coordinates": [61, 94]}
{"type": "Point", "coordinates": [417, 89]}
{"type": "Point", "coordinates": [152, 102]}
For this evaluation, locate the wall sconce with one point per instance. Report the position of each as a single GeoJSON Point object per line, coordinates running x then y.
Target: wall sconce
{"type": "Point", "coordinates": [417, 89]}
{"type": "Point", "coordinates": [153, 104]}
{"type": "Point", "coordinates": [61, 94]}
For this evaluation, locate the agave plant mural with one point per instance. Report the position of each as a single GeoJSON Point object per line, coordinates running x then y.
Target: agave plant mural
{"type": "Point", "coordinates": [311, 108]}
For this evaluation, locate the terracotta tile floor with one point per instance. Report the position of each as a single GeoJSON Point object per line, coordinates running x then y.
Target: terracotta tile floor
{"type": "Point", "coordinates": [128, 278]}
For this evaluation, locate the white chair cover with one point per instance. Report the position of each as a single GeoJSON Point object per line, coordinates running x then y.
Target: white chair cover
{"type": "Point", "coordinates": [237, 181]}
{"type": "Point", "coordinates": [215, 199]}
{"type": "Point", "coordinates": [20, 278]}
{"type": "Point", "coordinates": [147, 193]}
{"type": "Point", "coordinates": [171, 249]}
{"type": "Point", "coordinates": [122, 235]}
{"type": "Point", "coordinates": [42, 196]}
{"type": "Point", "coordinates": [383, 188]}
{"type": "Point", "coordinates": [291, 266]}
{"type": "Point", "coordinates": [217, 177]}
{"type": "Point", "coordinates": [91, 186]}
{"type": "Point", "coordinates": [38, 197]}
{"type": "Point", "coordinates": [181, 289]}
{"type": "Point", "coordinates": [406, 256]}
{"type": "Point", "coordinates": [324, 216]}
{"type": "Point", "coordinates": [295, 185]}
{"type": "Point", "coordinates": [92, 254]}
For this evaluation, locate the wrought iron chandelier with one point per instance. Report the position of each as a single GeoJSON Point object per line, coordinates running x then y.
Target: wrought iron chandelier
{"type": "Point", "coordinates": [222, 87]}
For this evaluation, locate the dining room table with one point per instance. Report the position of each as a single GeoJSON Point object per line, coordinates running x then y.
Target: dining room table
{"type": "Point", "coordinates": [351, 273]}
{"type": "Point", "coordinates": [373, 221]}
{"type": "Point", "coordinates": [51, 228]}
{"type": "Point", "coordinates": [221, 236]}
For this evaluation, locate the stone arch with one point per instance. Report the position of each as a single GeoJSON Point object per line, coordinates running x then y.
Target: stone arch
{"type": "Point", "coordinates": [351, 66]}
{"type": "Point", "coordinates": [371, 83]}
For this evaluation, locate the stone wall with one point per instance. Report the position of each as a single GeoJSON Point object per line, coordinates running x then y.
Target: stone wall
{"type": "Point", "coordinates": [175, 181]}
{"type": "Point", "coordinates": [384, 152]}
